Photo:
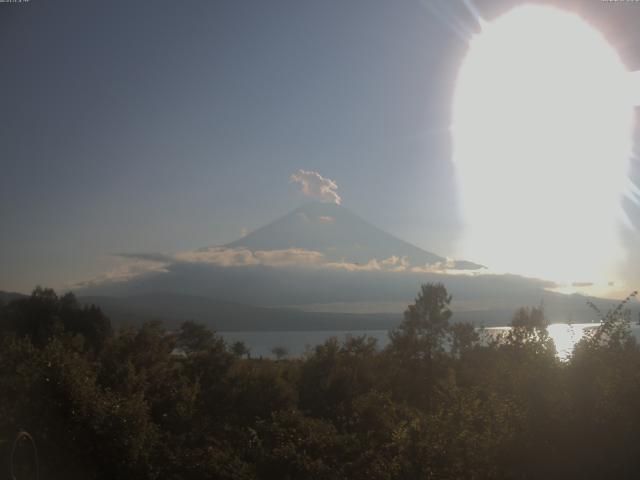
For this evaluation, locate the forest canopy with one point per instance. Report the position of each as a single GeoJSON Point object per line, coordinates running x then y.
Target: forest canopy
{"type": "Point", "coordinates": [441, 401]}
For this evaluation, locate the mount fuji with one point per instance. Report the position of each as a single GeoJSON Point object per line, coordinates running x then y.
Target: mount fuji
{"type": "Point", "coordinates": [341, 236]}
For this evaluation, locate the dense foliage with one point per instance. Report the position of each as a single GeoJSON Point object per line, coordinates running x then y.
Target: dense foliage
{"type": "Point", "coordinates": [440, 402]}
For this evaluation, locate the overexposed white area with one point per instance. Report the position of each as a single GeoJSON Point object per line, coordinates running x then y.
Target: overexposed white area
{"type": "Point", "coordinates": [542, 124]}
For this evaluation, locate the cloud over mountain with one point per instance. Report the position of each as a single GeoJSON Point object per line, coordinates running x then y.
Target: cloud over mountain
{"type": "Point", "coordinates": [316, 186]}
{"type": "Point", "coordinates": [316, 236]}
{"type": "Point", "coordinates": [131, 266]}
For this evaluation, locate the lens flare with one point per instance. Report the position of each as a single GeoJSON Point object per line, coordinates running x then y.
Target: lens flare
{"type": "Point", "coordinates": [542, 123]}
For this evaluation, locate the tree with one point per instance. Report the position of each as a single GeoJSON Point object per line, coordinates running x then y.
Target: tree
{"type": "Point", "coordinates": [240, 349]}
{"type": "Point", "coordinates": [36, 316]}
{"type": "Point", "coordinates": [463, 337]}
{"type": "Point", "coordinates": [530, 318]}
{"type": "Point", "coordinates": [529, 328]}
{"type": "Point", "coordinates": [280, 352]}
{"type": "Point", "coordinates": [194, 337]}
{"type": "Point", "coordinates": [425, 325]}
{"type": "Point", "coordinates": [88, 321]}
{"type": "Point", "coordinates": [44, 315]}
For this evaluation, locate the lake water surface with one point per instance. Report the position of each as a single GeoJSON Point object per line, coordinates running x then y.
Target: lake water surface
{"type": "Point", "coordinates": [565, 337]}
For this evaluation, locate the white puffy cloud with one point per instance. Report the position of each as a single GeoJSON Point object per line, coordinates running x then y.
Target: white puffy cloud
{"type": "Point", "coordinates": [372, 265]}
{"type": "Point", "coordinates": [126, 269]}
{"type": "Point", "coordinates": [241, 256]}
{"type": "Point", "coordinates": [135, 265]}
{"type": "Point", "coordinates": [316, 186]}
{"type": "Point", "coordinates": [292, 257]}
{"type": "Point", "coordinates": [448, 267]}
{"type": "Point", "coordinates": [221, 256]}
{"type": "Point", "coordinates": [396, 264]}
{"type": "Point", "coordinates": [391, 264]}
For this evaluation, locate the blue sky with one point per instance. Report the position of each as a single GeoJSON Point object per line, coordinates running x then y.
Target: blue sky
{"type": "Point", "coordinates": [164, 126]}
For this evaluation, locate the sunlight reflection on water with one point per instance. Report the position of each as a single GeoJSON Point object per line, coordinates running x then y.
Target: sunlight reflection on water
{"type": "Point", "coordinates": [566, 336]}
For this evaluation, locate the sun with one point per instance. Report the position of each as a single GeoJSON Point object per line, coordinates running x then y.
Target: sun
{"type": "Point", "coordinates": [542, 122]}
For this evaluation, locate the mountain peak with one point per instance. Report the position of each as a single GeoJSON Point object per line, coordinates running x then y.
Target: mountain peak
{"type": "Point", "coordinates": [338, 233]}
{"type": "Point", "coordinates": [312, 207]}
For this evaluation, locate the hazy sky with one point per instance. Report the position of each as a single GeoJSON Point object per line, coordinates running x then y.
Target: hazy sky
{"type": "Point", "coordinates": [132, 126]}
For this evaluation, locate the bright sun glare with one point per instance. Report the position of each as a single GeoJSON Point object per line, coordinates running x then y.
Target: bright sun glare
{"type": "Point", "coordinates": [542, 122]}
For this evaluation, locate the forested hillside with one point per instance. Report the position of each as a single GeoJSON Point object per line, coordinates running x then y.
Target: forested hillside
{"type": "Point", "coordinates": [439, 402]}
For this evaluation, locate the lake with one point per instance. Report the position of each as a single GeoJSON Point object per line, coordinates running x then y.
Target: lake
{"type": "Point", "coordinates": [565, 336]}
